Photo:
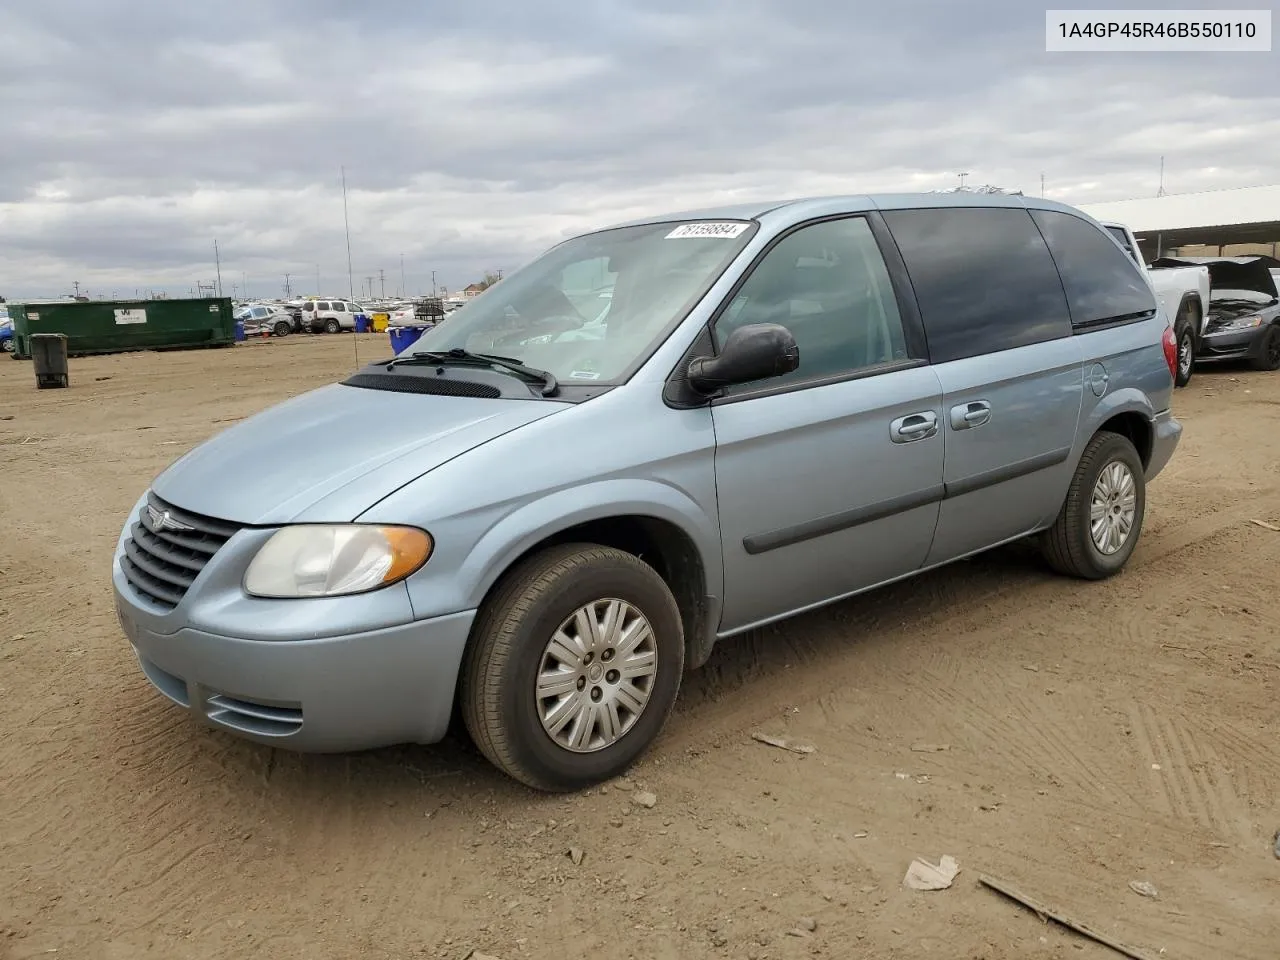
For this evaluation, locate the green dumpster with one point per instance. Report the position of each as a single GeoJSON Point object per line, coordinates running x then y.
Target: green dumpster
{"type": "Point", "coordinates": [117, 326]}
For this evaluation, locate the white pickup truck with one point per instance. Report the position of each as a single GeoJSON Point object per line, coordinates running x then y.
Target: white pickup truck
{"type": "Point", "coordinates": [1183, 293]}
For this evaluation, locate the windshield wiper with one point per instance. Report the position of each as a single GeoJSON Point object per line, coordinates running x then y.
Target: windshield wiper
{"type": "Point", "coordinates": [466, 358]}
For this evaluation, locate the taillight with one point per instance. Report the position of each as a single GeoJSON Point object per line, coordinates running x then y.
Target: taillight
{"type": "Point", "coordinates": [1170, 343]}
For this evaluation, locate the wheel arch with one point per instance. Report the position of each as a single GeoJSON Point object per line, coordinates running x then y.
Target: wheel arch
{"type": "Point", "coordinates": [654, 522]}
{"type": "Point", "coordinates": [1129, 414]}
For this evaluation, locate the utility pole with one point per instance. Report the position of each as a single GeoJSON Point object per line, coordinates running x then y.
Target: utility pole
{"type": "Point", "coordinates": [218, 263]}
{"type": "Point", "coordinates": [434, 292]}
{"type": "Point", "coordinates": [962, 176]}
{"type": "Point", "coordinates": [288, 290]}
{"type": "Point", "coordinates": [77, 285]}
{"type": "Point", "coordinates": [368, 282]}
{"type": "Point", "coordinates": [382, 278]}
{"type": "Point", "coordinates": [1160, 191]}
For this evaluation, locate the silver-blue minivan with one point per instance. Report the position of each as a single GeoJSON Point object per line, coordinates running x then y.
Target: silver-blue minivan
{"type": "Point", "coordinates": [652, 438]}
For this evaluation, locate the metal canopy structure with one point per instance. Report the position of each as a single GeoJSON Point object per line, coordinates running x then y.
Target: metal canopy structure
{"type": "Point", "coordinates": [1215, 218]}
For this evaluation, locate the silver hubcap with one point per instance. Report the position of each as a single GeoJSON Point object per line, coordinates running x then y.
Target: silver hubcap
{"type": "Point", "coordinates": [596, 675]}
{"type": "Point", "coordinates": [1184, 355]}
{"type": "Point", "coordinates": [1113, 507]}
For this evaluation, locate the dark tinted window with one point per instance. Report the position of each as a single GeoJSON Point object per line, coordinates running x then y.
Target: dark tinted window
{"type": "Point", "coordinates": [829, 286]}
{"type": "Point", "coordinates": [339, 307]}
{"type": "Point", "coordinates": [1102, 283]}
{"type": "Point", "coordinates": [322, 305]}
{"type": "Point", "coordinates": [983, 277]}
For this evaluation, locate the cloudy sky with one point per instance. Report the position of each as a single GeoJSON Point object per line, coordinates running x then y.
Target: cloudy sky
{"type": "Point", "coordinates": [132, 134]}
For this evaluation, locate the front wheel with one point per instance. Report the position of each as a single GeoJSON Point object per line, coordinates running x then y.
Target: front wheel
{"type": "Point", "coordinates": [7, 345]}
{"type": "Point", "coordinates": [283, 328]}
{"type": "Point", "coordinates": [332, 326]}
{"type": "Point", "coordinates": [1101, 519]}
{"type": "Point", "coordinates": [573, 668]}
{"type": "Point", "coordinates": [1268, 357]}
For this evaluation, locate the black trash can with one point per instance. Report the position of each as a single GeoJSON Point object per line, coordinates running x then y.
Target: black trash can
{"type": "Point", "coordinates": [49, 354]}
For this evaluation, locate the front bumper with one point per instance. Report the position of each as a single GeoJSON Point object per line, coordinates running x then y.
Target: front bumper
{"type": "Point", "coordinates": [1166, 431]}
{"type": "Point", "coordinates": [1232, 344]}
{"type": "Point", "coordinates": [351, 692]}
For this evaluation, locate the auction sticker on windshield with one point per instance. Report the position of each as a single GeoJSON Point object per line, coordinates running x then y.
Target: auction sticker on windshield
{"type": "Point", "coordinates": [718, 231]}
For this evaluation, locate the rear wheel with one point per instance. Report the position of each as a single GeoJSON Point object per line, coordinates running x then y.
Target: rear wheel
{"type": "Point", "coordinates": [332, 326]}
{"type": "Point", "coordinates": [283, 328]}
{"type": "Point", "coordinates": [1101, 518]}
{"type": "Point", "coordinates": [7, 345]}
{"type": "Point", "coordinates": [1268, 357]}
{"type": "Point", "coordinates": [574, 665]}
{"type": "Point", "coordinates": [1186, 337]}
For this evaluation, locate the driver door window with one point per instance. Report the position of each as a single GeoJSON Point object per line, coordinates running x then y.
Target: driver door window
{"type": "Point", "coordinates": [828, 284]}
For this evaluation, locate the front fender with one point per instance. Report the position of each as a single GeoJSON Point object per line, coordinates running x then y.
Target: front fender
{"type": "Point", "coordinates": [523, 529]}
{"type": "Point", "coordinates": [474, 548]}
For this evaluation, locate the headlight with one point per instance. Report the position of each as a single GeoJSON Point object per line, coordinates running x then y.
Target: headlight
{"type": "Point", "coordinates": [333, 560]}
{"type": "Point", "coordinates": [1243, 323]}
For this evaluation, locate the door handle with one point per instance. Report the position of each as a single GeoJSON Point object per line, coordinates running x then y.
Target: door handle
{"type": "Point", "coordinates": [972, 414]}
{"type": "Point", "coordinates": [915, 426]}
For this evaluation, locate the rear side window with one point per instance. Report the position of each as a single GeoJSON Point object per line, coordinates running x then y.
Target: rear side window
{"type": "Point", "coordinates": [339, 307]}
{"type": "Point", "coordinates": [1103, 285]}
{"type": "Point", "coordinates": [322, 304]}
{"type": "Point", "coordinates": [983, 277]}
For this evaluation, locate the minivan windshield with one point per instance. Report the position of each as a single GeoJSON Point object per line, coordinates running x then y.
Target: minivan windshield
{"type": "Point", "coordinates": [592, 308]}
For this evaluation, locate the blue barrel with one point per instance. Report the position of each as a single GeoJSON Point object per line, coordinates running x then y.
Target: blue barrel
{"type": "Point", "coordinates": [362, 323]}
{"type": "Point", "coordinates": [239, 330]}
{"type": "Point", "coordinates": [403, 337]}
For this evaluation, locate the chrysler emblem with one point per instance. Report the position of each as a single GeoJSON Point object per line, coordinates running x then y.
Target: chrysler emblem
{"type": "Point", "coordinates": [163, 520]}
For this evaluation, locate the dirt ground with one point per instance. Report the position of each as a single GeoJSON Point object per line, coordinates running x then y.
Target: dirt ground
{"type": "Point", "coordinates": [1095, 734]}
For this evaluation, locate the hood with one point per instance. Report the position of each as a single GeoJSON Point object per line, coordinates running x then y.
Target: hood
{"type": "Point", "coordinates": [1230, 273]}
{"type": "Point", "coordinates": [330, 454]}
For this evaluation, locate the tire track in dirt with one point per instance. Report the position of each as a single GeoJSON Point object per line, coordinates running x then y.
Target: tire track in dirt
{"type": "Point", "coordinates": [1191, 783]}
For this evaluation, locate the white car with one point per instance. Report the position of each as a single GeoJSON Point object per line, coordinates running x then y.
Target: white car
{"type": "Point", "coordinates": [329, 316]}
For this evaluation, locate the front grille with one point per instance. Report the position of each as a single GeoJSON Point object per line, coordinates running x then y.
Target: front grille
{"type": "Point", "coordinates": [162, 560]}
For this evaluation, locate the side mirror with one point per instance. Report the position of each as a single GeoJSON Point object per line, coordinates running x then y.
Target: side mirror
{"type": "Point", "coordinates": [756, 351]}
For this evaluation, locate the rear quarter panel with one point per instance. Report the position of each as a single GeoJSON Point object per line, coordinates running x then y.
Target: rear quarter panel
{"type": "Point", "coordinates": [1137, 381]}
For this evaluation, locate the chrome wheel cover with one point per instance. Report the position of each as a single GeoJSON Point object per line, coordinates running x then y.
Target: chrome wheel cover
{"type": "Point", "coordinates": [596, 675]}
{"type": "Point", "coordinates": [1113, 507]}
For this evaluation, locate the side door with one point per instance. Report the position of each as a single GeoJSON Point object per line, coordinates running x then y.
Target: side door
{"type": "Point", "coordinates": [1000, 340]}
{"type": "Point", "coordinates": [829, 478]}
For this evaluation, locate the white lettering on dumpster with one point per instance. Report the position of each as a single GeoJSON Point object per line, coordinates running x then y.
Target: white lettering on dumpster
{"type": "Point", "coordinates": [134, 315]}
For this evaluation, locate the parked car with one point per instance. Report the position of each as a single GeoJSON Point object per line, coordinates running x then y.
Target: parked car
{"type": "Point", "coordinates": [6, 335]}
{"type": "Point", "coordinates": [260, 317]}
{"type": "Point", "coordinates": [329, 316]}
{"type": "Point", "coordinates": [1243, 321]}
{"type": "Point", "coordinates": [793, 403]}
{"type": "Point", "coordinates": [1183, 292]}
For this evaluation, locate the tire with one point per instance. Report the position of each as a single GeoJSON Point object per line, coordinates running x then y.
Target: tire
{"type": "Point", "coordinates": [282, 328]}
{"type": "Point", "coordinates": [1268, 357]}
{"type": "Point", "coordinates": [1069, 546]}
{"type": "Point", "coordinates": [1186, 337]}
{"type": "Point", "coordinates": [332, 326]}
{"type": "Point", "coordinates": [509, 648]}
{"type": "Point", "coordinates": [6, 345]}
